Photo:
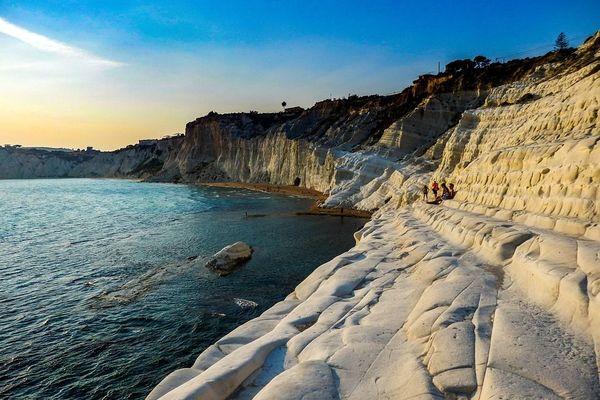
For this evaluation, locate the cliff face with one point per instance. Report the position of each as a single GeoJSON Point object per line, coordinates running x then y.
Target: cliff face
{"type": "Point", "coordinates": [139, 161]}
{"type": "Point", "coordinates": [360, 150]}
{"type": "Point", "coordinates": [314, 148]}
{"type": "Point", "coordinates": [366, 152]}
{"type": "Point", "coordinates": [492, 294]}
{"type": "Point", "coordinates": [239, 148]}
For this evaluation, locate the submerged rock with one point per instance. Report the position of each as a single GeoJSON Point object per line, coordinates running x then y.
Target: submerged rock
{"type": "Point", "coordinates": [230, 257]}
{"type": "Point", "coordinates": [243, 303]}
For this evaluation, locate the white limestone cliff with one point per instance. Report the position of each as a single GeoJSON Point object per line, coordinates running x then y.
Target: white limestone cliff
{"type": "Point", "coordinates": [492, 295]}
{"type": "Point", "coordinates": [139, 161]}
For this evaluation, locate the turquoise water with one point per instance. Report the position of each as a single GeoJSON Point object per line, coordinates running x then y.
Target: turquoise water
{"type": "Point", "coordinates": [97, 299]}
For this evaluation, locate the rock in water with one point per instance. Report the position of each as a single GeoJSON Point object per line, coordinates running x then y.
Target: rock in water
{"type": "Point", "coordinates": [243, 303]}
{"type": "Point", "coordinates": [226, 260]}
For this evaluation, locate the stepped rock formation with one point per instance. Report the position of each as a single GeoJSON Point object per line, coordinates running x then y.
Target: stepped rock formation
{"type": "Point", "coordinates": [492, 295]}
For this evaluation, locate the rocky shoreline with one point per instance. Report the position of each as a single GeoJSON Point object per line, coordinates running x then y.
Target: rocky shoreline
{"type": "Point", "coordinates": [493, 294]}
{"type": "Point", "coordinates": [405, 313]}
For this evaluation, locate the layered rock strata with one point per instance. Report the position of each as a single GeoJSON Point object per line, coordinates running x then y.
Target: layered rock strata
{"type": "Point", "coordinates": [494, 294]}
{"type": "Point", "coordinates": [136, 161]}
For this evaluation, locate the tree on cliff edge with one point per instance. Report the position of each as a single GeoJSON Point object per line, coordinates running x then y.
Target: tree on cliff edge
{"type": "Point", "coordinates": [561, 42]}
{"type": "Point", "coordinates": [481, 61]}
{"type": "Point", "coordinates": [458, 66]}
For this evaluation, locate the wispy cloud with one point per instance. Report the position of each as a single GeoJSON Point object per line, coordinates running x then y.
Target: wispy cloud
{"type": "Point", "coordinates": [46, 44]}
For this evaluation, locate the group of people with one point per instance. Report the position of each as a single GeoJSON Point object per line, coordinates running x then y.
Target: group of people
{"type": "Point", "coordinates": [447, 192]}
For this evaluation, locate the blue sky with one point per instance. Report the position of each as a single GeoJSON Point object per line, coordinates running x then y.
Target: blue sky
{"type": "Point", "coordinates": [116, 71]}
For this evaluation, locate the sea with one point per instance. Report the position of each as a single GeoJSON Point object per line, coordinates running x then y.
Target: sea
{"type": "Point", "coordinates": [103, 291]}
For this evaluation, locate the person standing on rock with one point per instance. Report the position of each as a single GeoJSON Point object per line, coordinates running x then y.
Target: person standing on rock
{"type": "Point", "coordinates": [434, 189]}
{"type": "Point", "coordinates": [425, 192]}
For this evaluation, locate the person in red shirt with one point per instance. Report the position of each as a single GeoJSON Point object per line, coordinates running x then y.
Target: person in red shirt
{"type": "Point", "coordinates": [434, 188]}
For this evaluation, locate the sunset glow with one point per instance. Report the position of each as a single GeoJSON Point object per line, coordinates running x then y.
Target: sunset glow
{"type": "Point", "coordinates": [106, 75]}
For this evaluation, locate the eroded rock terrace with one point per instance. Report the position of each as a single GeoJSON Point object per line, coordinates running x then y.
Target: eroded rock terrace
{"type": "Point", "coordinates": [492, 295]}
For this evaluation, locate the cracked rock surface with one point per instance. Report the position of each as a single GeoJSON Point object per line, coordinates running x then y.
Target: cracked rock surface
{"type": "Point", "coordinates": [492, 295]}
{"type": "Point", "coordinates": [405, 314]}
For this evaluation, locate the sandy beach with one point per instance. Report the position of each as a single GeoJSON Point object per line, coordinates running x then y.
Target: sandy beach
{"type": "Point", "coordinates": [290, 190]}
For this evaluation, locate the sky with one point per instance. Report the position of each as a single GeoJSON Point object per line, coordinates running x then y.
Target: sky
{"type": "Point", "coordinates": [108, 73]}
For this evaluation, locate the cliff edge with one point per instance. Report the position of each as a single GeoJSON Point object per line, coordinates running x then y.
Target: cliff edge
{"type": "Point", "coordinates": [493, 294]}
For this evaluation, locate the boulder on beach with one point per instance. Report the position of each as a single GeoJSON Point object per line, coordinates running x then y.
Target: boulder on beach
{"type": "Point", "coordinates": [230, 257]}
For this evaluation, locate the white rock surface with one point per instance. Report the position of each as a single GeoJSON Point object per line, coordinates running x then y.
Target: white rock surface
{"type": "Point", "coordinates": [139, 161]}
{"type": "Point", "coordinates": [492, 295]}
{"type": "Point", "coordinates": [407, 313]}
{"type": "Point", "coordinates": [226, 260]}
